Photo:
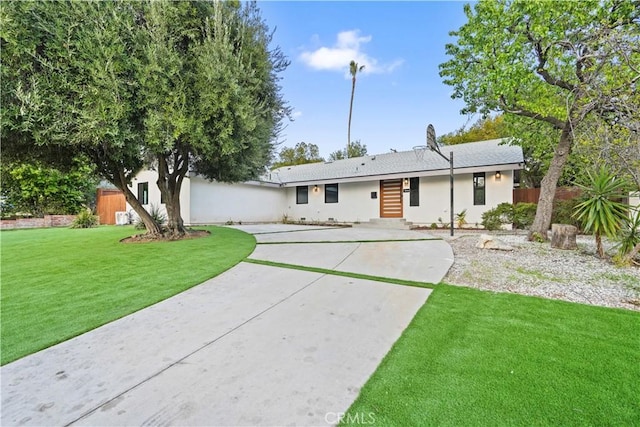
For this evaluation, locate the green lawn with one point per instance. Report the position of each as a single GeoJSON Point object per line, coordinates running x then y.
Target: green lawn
{"type": "Point", "coordinates": [59, 283]}
{"type": "Point", "coordinates": [480, 358]}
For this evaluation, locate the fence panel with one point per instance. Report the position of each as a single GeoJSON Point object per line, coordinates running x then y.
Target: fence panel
{"type": "Point", "coordinates": [108, 202]}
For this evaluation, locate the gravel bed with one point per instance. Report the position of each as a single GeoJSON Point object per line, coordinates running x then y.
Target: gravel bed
{"type": "Point", "coordinates": [539, 270]}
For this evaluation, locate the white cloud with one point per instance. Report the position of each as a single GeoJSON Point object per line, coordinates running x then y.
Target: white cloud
{"type": "Point", "coordinates": [348, 47]}
{"type": "Point", "coordinates": [296, 114]}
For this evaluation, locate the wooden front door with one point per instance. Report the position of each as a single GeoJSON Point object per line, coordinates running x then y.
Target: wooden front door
{"type": "Point", "coordinates": [391, 198]}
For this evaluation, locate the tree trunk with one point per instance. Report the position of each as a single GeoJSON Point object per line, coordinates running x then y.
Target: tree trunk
{"type": "Point", "coordinates": [152, 227]}
{"type": "Point", "coordinates": [544, 211]}
{"type": "Point", "coordinates": [170, 184]}
{"type": "Point", "coordinates": [599, 247]}
{"type": "Point", "coordinates": [563, 236]}
{"type": "Point", "coordinates": [353, 89]}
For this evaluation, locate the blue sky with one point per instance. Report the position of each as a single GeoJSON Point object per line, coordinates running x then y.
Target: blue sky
{"type": "Point", "coordinates": [398, 93]}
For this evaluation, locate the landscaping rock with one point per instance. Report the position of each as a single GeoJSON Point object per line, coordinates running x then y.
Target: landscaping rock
{"type": "Point", "coordinates": [489, 242]}
{"type": "Point", "coordinates": [563, 236]}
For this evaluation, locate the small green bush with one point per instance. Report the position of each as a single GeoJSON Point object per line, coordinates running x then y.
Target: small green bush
{"type": "Point", "coordinates": [563, 212]}
{"type": "Point", "coordinates": [493, 219]}
{"type": "Point", "coordinates": [628, 236]}
{"type": "Point", "coordinates": [523, 215]}
{"type": "Point", "coordinates": [85, 219]}
{"type": "Point", "coordinates": [537, 237]}
{"type": "Point", "coordinates": [461, 218]}
{"type": "Point", "coordinates": [433, 226]}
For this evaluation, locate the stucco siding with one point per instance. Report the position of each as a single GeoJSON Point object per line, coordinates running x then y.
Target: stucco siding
{"type": "Point", "coordinates": [150, 177]}
{"type": "Point", "coordinates": [354, 203]}
{"type": "Point", "coordinates": [434, 198]}
{"type": "Point", "coordinates": [214, 202]}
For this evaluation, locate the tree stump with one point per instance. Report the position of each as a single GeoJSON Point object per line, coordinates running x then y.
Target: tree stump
{"type": "Point", "coordinates": [563, 236]}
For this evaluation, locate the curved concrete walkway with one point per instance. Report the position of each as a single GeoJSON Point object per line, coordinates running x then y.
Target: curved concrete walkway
{"type": "Point", "coordinates": [257, 345]}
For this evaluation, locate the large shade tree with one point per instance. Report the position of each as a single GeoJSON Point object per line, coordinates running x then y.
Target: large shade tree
{"type": "Point", "coordinates": [67, 88]}
{"type": "Point", "coordinates": [182, 86]}
{"type": "Point", "coordinates": [553, 63]}
{"type": "Point", "coordinates": [209, 86]}
{"type": "Point", "coordinates": [301, 154]}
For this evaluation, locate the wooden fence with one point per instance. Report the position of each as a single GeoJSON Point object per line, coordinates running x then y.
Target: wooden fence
{"type": "Point", "coordinates": [531, 195]}
{"type": "Point", "coordinates": [108, 202]}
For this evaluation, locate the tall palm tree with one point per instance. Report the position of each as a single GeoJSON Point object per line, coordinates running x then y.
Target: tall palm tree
{"type": "Point", "coordinates": [353, 70]}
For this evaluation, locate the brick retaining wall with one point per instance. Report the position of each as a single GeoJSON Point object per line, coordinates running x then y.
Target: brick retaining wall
{"type": "Point", "coordinates": [47, 221]}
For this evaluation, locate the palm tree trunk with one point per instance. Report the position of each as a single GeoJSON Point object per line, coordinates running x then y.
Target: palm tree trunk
{"type": "Point", "coordinates": [353, 89]}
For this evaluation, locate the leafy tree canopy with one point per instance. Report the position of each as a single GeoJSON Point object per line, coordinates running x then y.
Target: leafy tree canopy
{"type": "Point", "coordinates": [184, 86]}
{"type": "Point", "coordinates": [482, 130]}
{"type": "Point", "coordinates": [553, 63]}
{"type": "Point", "coordinates": [300, 154]}
{"type": "Point", "coordinates": [356, 149]}
{"type": "Point", "coordinates": [37, 189]}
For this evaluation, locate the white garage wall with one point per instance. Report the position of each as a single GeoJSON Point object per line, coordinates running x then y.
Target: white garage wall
{"type": "Point", "coordinates": [434, 198]}
{"type": "Point", "coordinates": [354, 203]}
{"type": "Point", "coordinates": [214, 202]}
{"type": "Point", "coordinates": [151, 177]}
{"type": "Point", "coordinates": [204, 202]}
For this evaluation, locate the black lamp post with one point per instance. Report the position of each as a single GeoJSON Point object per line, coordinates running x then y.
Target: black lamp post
{"type": "Point", "coordinates": [433, 146]}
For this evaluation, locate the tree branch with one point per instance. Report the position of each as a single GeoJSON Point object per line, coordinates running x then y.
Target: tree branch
{"type": "Point", "coordinates": [520, 111]}
{"type": "Point", "coordinates": [541, 54]}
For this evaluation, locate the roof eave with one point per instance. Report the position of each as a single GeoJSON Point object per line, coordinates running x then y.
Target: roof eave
{"type": "Point", "coordinates": [399, 175]}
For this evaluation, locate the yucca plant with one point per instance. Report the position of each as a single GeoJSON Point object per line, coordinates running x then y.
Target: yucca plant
{"type": "Point", "coordinates": [629, 238]}
{"type": "Point", "coordinates": [598, 211]}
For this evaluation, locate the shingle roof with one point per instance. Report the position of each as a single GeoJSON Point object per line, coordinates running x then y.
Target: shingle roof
{"type": "Point", "coordinates": [475, 154]}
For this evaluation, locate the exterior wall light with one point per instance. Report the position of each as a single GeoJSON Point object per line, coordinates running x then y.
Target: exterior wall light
{"type": "Point", "coordinates": [498, 176]}
{"type": "Point", "coordinates": [315, 189]}
{"type": "Point", "coordinates": [406, 182]}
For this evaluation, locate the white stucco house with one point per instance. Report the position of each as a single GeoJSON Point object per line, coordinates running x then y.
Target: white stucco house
{"type": "Point", "coordinates": [390, 185]}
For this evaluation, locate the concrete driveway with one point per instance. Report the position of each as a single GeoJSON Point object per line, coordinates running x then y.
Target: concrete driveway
{"type": "Point", "coordinates": [257, 345]}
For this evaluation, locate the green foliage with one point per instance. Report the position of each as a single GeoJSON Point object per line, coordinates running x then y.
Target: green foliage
{"type": "Point", "coordinates": [520, 216]}
{"type": "Point", "coordinates": [493, 219]}
{"type": "Point", "coordinates": [461, 218]}
{"type": "Point", "coordinates": [598, 210]}
{"type": "Point", "coordinates": [537, 237]}
{"type": "Point", "coordinates": [537, 139]}
{"type": "Point", "coordinates": [356, 149]}
{"type": "Point", "coordinates": [301, 154]}
{"type": "Point", "coordinates": [85, 219]}
{"type": "Point", "coordinates": [188, 86]}
{"type": "Point", "coordinates": [433, 226]}
{"type": "Point", "coordinates": [563, 212]}
{"type": "Point", "coordinates": [158, 216]}
{"type": "Point", "coordinates": [482, 130]}
{"type": "Point", "coordinates": [523, 215]}
{"type": "Point", "coordinates": [38, 189]}
{"type": "Point", "coordinates": [629, 236]}
{"type": "Point", "coordinates": [537, 60]}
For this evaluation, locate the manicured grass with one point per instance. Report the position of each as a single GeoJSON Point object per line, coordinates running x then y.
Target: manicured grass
{"type": "Point", "coordinates": [478, 358]}
{"type": "Point", "coordinates": [342, 273]}
{"type": "Point", "coordinates": [59, 283]}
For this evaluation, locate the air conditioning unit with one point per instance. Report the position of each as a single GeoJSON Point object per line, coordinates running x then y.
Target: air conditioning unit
{"type": "Point", "coordinates": [122, 218]}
